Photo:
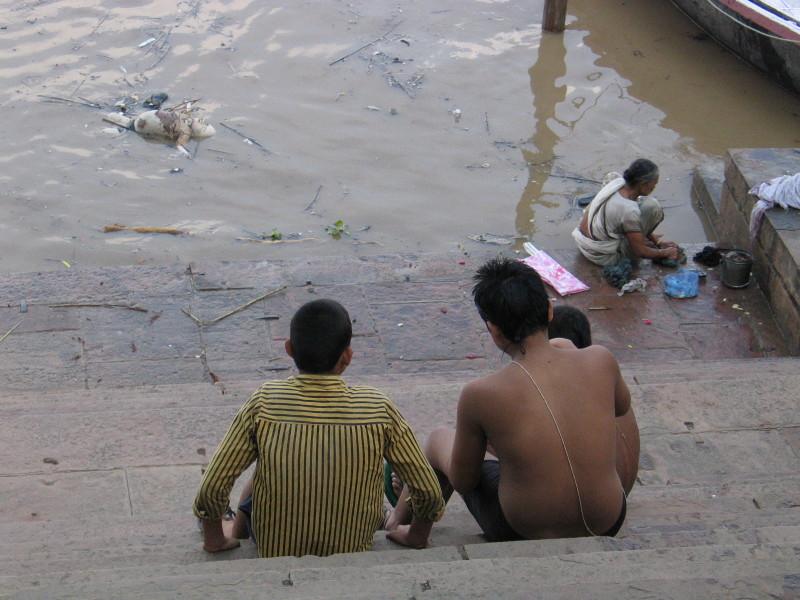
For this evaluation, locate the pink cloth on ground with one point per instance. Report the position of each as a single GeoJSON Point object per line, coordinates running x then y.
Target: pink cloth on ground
{"type": "Point", "coordinates": [564, 282]}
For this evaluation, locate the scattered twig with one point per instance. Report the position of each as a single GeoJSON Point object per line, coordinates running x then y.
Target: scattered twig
{"type": "Point", "coordinates": [102, 305]}
{"type": "Point", "coordinates": [599, 308]}
{"type": "Point", "coordinates": [60, 260]}
{"type": "Point", "coordinates": [69, 101]}
{"type": "Point", "coordinates": [319, 189]}
{"type": "Point", "coordinates": [394, 81]}
{"type": "Point", "coordinates": [258, 241]}
{"type": "Point", "coordinates": [563, 176]}
{"type": "Point", "coordinates": [9, 331]}
{"type": "Point", "coordinates": [349, 54]}
{"type": "Point", "coordinates": [417, 78]}
{"type": "Point", "coordinates": [109, 228]}
{"type": "Point", "coordinates": [234, 311]}
{"type": "Point", "coordinates": [96, 27]}
{"type": "Point", "coordinates": [158, 44]}
{"type": "Point", "coordinates": [585, 179]}
{"type": "Point", "coordinates": [158, 60]}
{"type": "Point", "coordinates": [486, 120]}
{"type": "Point", "coordinates": [191, 316]}
{"type": "Point", "coordinates": [245, 137]}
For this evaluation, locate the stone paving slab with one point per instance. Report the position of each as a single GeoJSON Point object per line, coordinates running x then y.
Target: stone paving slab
{"type": "Point", "coordinates": [84, 374]}
{"type": "Point", "coordinates": [412, 313]}
{"type": "Point", "coordinates": [480, 576]}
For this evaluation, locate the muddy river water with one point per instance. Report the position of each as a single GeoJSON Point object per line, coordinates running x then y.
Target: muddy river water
{"type": "Point", "coordinates": [405, 126]}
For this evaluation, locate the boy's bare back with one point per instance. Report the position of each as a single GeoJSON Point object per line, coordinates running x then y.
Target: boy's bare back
{"type": "Point", "coordinates": [585, 391]}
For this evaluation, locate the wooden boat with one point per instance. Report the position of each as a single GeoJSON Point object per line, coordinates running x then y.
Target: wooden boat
{"type": "Point", "coordinates": [763, 33]}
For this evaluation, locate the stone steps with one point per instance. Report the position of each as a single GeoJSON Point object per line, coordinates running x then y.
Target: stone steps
{"type": "Point", "coordinates": [496, 574]}
{"type": "Point", "coordinates": [97, 479]}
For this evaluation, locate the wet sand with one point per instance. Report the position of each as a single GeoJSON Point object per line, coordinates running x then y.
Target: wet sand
{"type": "Point", "coordinates": [542, 118]}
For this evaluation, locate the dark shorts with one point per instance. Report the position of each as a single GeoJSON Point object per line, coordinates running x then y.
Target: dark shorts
{"type": "Point", "coordinates": [483, 503]}
{"type": "Point", "coordinates": [247, 508]}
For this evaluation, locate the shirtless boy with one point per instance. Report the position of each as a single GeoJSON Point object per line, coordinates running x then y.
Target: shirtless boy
{"type": "Point", "coordinates": [533, 451]}
{"type": "Point", "coordinates": [570, 327]}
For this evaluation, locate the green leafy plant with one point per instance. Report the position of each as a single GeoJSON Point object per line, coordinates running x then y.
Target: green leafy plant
{"type": "Point", "coordinates": [275, 235]}
{"type": "Point", "coordinates": [337, 229]}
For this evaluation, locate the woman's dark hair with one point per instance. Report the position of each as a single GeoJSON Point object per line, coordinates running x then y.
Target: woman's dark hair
{"type": "Point", "coordinates": [510, 295]}
{"type": "Point", "coordinates": [570, 323]}
{"type": "Point", "coordinates": [319, 332]}
{"type": "Point", "coordinates": [640, 170]}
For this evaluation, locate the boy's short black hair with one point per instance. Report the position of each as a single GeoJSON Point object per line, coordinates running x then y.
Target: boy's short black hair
{"type": "Point", "coordinates": [510, 295]}
{"type": "Point", "coordinates": [570, 323]}
{"type": "Point", "coordinates": [319, 332]}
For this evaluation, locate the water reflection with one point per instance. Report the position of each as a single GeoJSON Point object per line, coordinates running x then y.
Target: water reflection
{"type": "Point", "coordinates": [550, 65]}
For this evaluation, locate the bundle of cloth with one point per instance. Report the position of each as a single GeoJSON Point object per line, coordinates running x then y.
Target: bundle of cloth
{"type": "Point", "coordinates": [783, 191]}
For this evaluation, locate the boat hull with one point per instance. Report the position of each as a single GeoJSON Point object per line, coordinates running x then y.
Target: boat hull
{"type": "Point", "coordinates": [778, 59]}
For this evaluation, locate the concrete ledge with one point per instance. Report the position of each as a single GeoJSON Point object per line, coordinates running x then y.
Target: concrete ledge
{"type": "Point", "coordinates": [706, 194]}
{"type": "Point", "coordinates": [777, 247]}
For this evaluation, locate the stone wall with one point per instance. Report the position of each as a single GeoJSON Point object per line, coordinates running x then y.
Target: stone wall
{"type": "Point", "coordinates": [777, 247]}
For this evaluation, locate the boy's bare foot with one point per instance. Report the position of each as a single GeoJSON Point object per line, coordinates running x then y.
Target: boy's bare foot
{"type": "Point", "coordinates": [397, 484]}
{"type": "Point", "coordinates": [217, 535]}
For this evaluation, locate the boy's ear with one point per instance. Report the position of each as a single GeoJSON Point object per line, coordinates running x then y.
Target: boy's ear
{"type": "Point", "coordinates": [287, 345]}
{"type": "Point", "coordinates": [347, 356]}
{"type": "Point", "coordinates": [549, 310]}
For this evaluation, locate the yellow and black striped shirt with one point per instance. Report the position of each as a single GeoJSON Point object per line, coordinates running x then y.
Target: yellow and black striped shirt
{"type": "Point", "coordinates": [318, 485]}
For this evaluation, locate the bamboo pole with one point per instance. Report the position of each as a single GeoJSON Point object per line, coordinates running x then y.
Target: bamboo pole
{"type": "Point", "coordinates": [555, 15]}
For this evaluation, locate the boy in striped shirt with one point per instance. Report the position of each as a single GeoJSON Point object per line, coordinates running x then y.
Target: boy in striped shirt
{"type": "Point", "coordinates": [320, 447]}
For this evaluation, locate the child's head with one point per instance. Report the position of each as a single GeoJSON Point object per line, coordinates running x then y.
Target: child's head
{"type": "Point", "coordinates": [570, 323]}
{"type": "Point", "coordinates": [319, 332]}
{"type": "Point", "coordinates": [510, 295]}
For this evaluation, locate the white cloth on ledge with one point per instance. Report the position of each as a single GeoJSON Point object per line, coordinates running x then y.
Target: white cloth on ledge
{"type": "Point", "coordinates": [783, 191]}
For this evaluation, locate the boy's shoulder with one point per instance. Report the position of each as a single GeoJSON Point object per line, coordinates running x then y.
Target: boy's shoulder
{"type": "Point", "coordinates": [326, 385]}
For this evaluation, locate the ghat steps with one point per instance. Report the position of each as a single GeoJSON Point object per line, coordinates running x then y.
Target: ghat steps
{"type": "Point", "coordinates": [98, 486]}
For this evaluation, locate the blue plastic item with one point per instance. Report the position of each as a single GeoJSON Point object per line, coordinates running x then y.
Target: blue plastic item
{"type": "Point", "coordinates": [682, 284]}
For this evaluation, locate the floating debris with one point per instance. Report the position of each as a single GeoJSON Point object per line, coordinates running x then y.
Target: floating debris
{"type": "Point", "coordinates": [155, 100]}
{"type": "Point", "coordinates": [176, 126]}
{"type": "Point", "coordinates": [493, 238]}
{"type": "Point", "coordinates": [278, 241]}
{"type": "Point", "coordinates": [110, 228]}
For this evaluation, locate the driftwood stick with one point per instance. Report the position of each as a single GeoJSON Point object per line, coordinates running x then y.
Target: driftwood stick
{"type": "Point", "coordinates": [257, 241]}
{"type": "Point", "coordinates": [349, 54]}
{"type": "Point", "coordinates": [96, 27]}
{"type": "Point", "coordinates": [109, 228]}
{"type": "Point", "coordinates": [246, 137]}
{"type": "Point", "coordinates": [69, 101]}
{"type": "Point", "coordinates": [158, 60]}
{"type": "Point", "coordinates": [394, 81]}
{"type": "Point", "coordinates": [319, 189]}
{"type": "Point", "coordinates": [102, 305]}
